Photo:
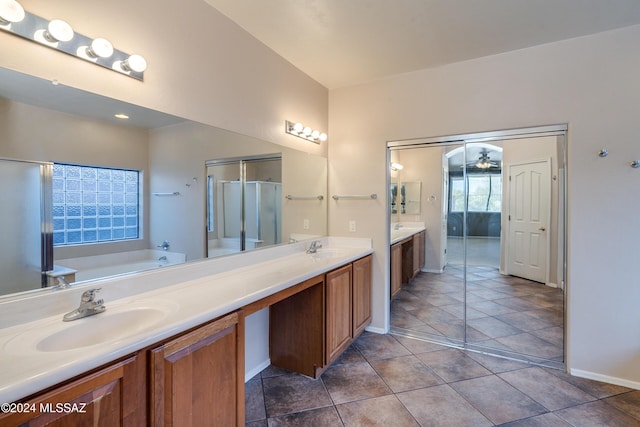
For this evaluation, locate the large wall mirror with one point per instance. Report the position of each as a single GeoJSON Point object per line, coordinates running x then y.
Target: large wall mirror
{"type": "Point", "coordinates": [493, 206]}
{"type": "Point", "coordinates": [117, 196]}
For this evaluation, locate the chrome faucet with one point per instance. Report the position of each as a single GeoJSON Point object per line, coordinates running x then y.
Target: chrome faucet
{"type": "Point", "coordinates": [88, 306]}
{"type": "Point", "coordinates": [315, 245]}
{"type": "Point", "coordinates": [62, 282]}
{"type": "Point", "coordinates": [165, 245]}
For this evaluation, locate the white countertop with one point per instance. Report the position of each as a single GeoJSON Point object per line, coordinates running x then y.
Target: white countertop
{"type": "Point", "coordinates": [405, 231]}
{"type": "Point", "coordinates": [189, 295]}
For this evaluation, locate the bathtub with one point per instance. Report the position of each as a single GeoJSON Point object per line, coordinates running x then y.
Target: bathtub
{"type": "Point", "coordinates": [230, 245]}
{"type": "Point", "coordinates": [93, 267]}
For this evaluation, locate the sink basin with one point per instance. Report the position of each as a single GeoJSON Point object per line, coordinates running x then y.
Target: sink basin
{"type": "Point", "coordinates": [100, 328]}
{"type": "Point", "coordinates": [111, 325]}
{"type": "Point", "coordinates": [329, 253]}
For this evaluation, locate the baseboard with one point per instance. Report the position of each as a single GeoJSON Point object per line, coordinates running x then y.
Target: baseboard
{"type": "Point", "coordinates": [255, 371]}
{"type": "Point", "coordinates": [375, 330]}
{"type": "Point", "coordinates": [605, 378]}
{"type": "Point", "coordinates": [429, 270]}
{"type": "Point", "coordinates": [552, 285]}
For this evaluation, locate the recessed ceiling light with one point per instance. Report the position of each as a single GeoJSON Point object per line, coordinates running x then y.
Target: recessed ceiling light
{"type": "Point", "coordinates": [121, 116]}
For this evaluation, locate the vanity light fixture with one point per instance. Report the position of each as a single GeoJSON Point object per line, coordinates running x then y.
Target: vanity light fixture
{"type": "Point", "coordinates": [58, 31]}
{"type": "Point", "coordinates": [58, 34]}
{"type": "Point", "coordinates": [396, 166]}
{"type": "Point", "coordinates": [134, 63]}
{"type": "Point", "coordinates": [10, 12]}
{"type": "Point", "coordinates": [304, 132]}
{"type": "Point", "coordinates": [99, 48]}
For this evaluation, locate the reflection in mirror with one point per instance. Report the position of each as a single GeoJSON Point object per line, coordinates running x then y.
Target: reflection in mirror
{"type": "Point", "coordinates": [104, 223]}
{"type": "Point", "coordinates": [410, 197]}
{"type": "Point", "coordinates": [495, 245]}
{"type": "Point", "coordinates": [244, 204]}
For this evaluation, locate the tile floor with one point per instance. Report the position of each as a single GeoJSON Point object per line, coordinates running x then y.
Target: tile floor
{"type": "Point", "coordinates": [386, 380]}
{"type": "Point", "coordinates": [510, 314]}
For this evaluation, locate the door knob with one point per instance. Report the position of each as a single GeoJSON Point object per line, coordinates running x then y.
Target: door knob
{"type": "Point", "coordinates": [542, 229]}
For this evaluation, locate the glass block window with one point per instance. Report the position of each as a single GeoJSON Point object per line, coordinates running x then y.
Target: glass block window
{"type": "Point", "coordinates": [94, 204]}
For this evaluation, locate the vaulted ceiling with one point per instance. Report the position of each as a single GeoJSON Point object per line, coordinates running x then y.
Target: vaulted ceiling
{"type": "Point", "coordinates": [345, 42]}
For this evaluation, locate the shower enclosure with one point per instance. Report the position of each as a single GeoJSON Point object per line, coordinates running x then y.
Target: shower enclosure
{"type": "Point", "coordinates": [26, 228]}
{"type": "Point", "coordinates": [244, 204]}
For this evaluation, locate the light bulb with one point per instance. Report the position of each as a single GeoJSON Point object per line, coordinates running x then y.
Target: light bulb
{"type": "Point", "coordinates": [306, 131]}
{"type": "Point", "coordinates": [323, 137]}
{"type": "Point", "coordinates": [100, 48]}
{"type": "Point", "coordinates": [315, 134]}
{"type": "Point", "coordinates": [10, 11]}
{"type": "Point", "coordinates": [134, 63]}
{"type": "Point", "coordinates": [298, 127]}
{"type": "Point", "coordinates": [58, 31]}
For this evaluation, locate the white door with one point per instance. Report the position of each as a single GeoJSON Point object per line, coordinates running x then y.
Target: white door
{"type": "Point", "coordinates": [529, 212]}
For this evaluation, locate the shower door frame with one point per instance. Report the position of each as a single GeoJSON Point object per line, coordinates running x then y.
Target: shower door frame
{"type": "Point", "coordinates": [242, 163]}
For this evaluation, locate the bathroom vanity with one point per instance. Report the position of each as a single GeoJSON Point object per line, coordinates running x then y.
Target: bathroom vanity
{"type": "Point", "coordinates": [177, 355]}
{"type": "Point", "coordinates": [407, 255]}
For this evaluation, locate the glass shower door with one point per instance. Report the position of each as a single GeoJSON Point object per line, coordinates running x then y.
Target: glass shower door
{"type": "Point", "coordinates": [244, 204]}
{"type": "Point", "coordinates": [26, 229]}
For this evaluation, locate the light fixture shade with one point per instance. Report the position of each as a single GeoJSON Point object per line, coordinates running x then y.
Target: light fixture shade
{"type": "Point", "coordinates": [11, 11]}
{"type": "Point", "coordinates": [396, 166]}
{"type": "Point", "coordinates": [306, 131]}
{"type": "Point", "coordinates": [323, 137]}
{"type": "Point", "coordinates": [298, 127]}
{"type": "Point", "coordinates": [58, 31]}
{"type": "Point", "coordinates": [315, 134]}
{"type": "Point", "coordinates": [135, 63]}
{"type": "Point", "coordinates": [100, 48]}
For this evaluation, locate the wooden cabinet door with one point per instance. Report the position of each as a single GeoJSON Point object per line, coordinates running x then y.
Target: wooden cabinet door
{"type": "Point", "coordinates": [421, 249]}
{"type": "Point", "coordinates": [113, 396]}
{"type": "Point", "coordinates": [361, 294]}
{"type": "Point", "coordinates": [418, 252]}
{"type": "Point", "coordinates": [396, 269]}
{"type": "Point", "coordinates": [408, 269]}
{"type": "Point", "coordinates": [338, 306]}
{"type": "Point", "coordinates": [197, 379]}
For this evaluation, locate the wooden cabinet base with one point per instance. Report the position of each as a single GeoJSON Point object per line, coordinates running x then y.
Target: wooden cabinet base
{"type": "Point", "coordinates": [113, 396]}
{"type": "Point", "coordinates": [198, 378]}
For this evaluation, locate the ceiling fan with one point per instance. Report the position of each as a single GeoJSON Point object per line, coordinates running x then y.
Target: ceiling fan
{"type": "Point", "coordinates": [484, 162]}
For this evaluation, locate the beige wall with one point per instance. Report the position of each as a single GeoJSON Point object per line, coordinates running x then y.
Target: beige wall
{"type": "Point", "coordinates": [201, 66]}
{"type": "Point", "coordinates": [33, 133]}
{"type": "Point", "coordinates": [592, 84]}
{"type": "Point", "coordinates": [178, 154]}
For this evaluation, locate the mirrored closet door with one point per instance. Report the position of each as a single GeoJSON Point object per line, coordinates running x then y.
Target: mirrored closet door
{"type": "Point", "coordinates": [493, 209]}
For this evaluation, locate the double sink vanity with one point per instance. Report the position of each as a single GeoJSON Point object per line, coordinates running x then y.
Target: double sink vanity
{"type": "Point", "coordinates": [170, 347]}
